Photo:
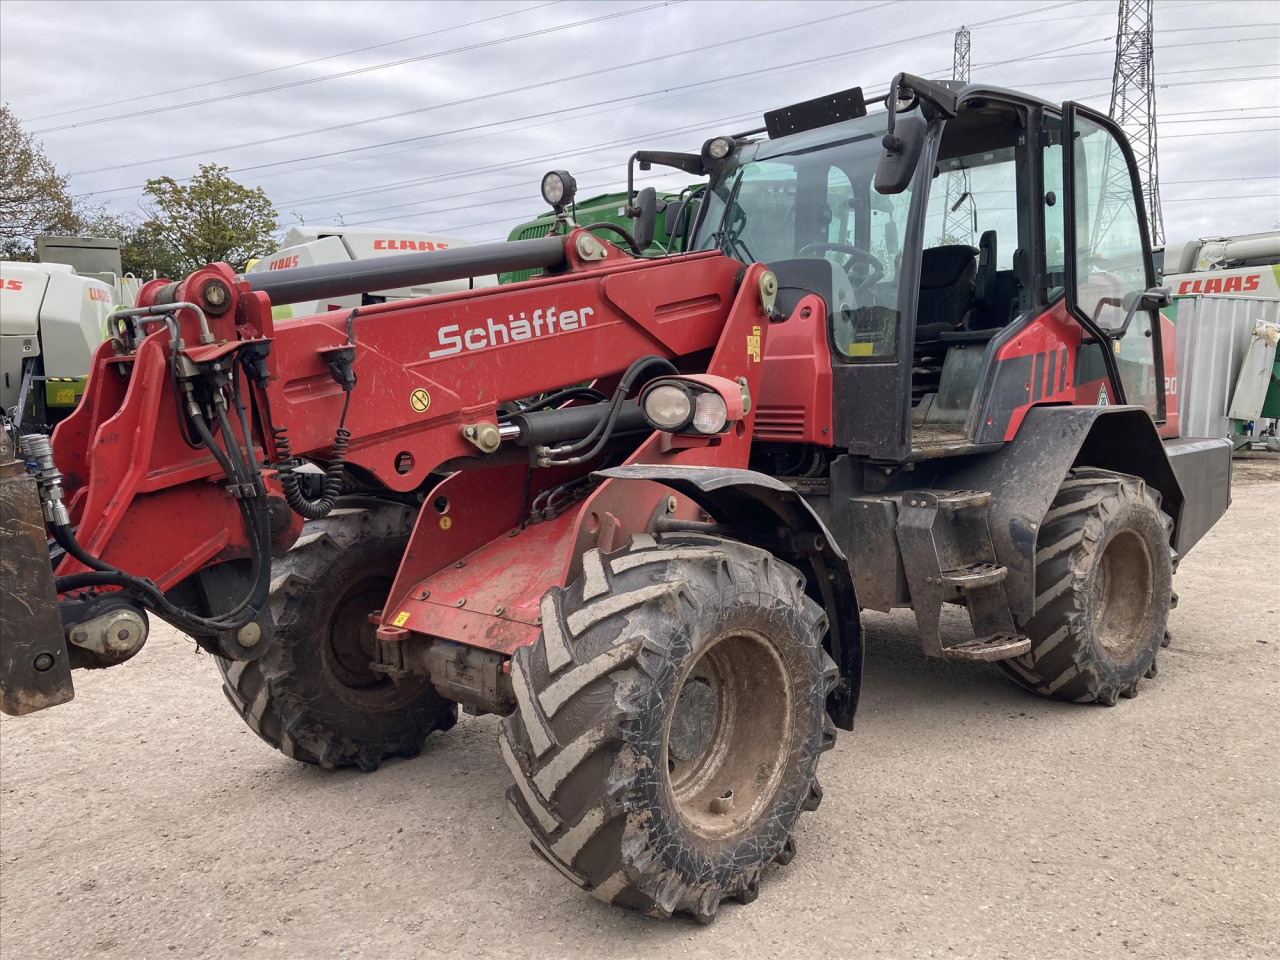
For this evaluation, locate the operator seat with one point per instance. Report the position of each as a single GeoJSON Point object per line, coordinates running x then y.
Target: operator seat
{"type": "Point", "coordinates": [946, 291]}
{"type": "Point", "coordinates": [984, 315]}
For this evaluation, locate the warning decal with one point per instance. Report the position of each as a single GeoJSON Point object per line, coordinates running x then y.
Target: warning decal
{"type": "Point", "coordinates": [420, 400]}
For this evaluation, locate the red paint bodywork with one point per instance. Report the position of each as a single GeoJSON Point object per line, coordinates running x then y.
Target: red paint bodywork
{"type": "Point", "coordinates": [147, 502]}
{"type": "Point", "coordinates": [1053, 342]}
{"type": "Point", "coordinates": [794, 405]}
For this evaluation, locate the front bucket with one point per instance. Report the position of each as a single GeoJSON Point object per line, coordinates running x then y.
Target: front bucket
{"type": "Point", "coordinates": [35, 669]}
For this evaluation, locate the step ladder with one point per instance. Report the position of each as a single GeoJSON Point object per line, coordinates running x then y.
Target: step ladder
{"type": "Point", "coordinates": [947, 555]}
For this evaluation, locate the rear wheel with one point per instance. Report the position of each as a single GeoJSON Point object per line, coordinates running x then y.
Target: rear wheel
{"type": "Point", "coordinates": [670, 721]}
{"type": "Point", "coordinates": [1104, 575]}
{"type": "Point", "coordinates": [312, 694]}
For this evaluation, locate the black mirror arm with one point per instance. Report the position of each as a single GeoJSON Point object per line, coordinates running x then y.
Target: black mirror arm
{"type": "Point", "coordinates": [690, 163]}
{"type": "Point", "coordinates": [1152, 299]}
{"type": "Point", "coordinates": [631, 184]}
{"type": "Point", "coordinates": [891, 142]}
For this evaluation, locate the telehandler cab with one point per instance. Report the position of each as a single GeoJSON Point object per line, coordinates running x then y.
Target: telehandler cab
{"type": "Point", "coordinates": [824, 405]}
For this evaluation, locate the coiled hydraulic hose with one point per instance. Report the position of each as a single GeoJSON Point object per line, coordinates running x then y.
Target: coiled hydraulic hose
{"type": "Point", "coordinates": [291, 482]}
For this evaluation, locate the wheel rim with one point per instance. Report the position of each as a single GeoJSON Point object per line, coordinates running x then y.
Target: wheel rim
{"type": "Point", "coordinates": [1123, 601]}
{"type": "Point", "coordinates": [349, 644]}
{"type": "Point", "coordinates": [729, 734]}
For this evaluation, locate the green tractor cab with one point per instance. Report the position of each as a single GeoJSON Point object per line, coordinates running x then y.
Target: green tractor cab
{"type": "Point", "coordinates": [612, 208]}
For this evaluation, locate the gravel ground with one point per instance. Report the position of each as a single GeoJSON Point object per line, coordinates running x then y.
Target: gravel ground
{"type": "Point", "coordinates": [963, 818]}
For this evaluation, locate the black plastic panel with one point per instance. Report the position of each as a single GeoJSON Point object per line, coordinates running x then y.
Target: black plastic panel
{"type": "Point", "coordinates": [818, 112]}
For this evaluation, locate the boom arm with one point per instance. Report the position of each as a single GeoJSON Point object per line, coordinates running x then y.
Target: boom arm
{"type": "Point", "coordinates": [414, 384]}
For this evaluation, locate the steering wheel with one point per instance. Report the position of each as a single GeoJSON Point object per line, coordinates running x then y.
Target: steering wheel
{"type": "Point", "coordinates": [855, 255]}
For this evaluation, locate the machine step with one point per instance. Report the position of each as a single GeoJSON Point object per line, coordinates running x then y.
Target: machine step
{"type": "Point", "coordinates": [1002, 646]}
{"type": "Point", "coordinates": [975, 576]}
{"type": "Point", "coordinates": [964, 499]}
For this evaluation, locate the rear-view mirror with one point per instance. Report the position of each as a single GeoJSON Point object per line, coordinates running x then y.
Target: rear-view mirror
{"type": "Point", "coordinates": [646, 217]}
{"type": "Point", "coordinates": [901, 154]}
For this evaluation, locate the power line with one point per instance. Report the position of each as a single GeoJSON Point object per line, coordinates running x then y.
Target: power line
{"type": "Point", "coordinates": [527, 197]}
{"type": "Point", "coordinates": [730, 79]}
{"type": "Point", "coordinates": [1250, 196]}
{"type": "Point", "coordinates": [1218, 133]}
{"type": "Point", "coordinates": [1217, 180]}
{"type": "Point", "coordinates": [563, 154]}
{"type": "Point", "coordinates": [464, 173]}
{"type": "Point", "coordinates": [1219, 119]}
{"type": "Point", "coordinates": [300, 63]}
{"type": "Point", "coordinates": [526, 161]}
{"type": "Point", "coordinates": [1109, 51]}
{"type": "Point", "coordinates": [763, 71]}
{"type": "Point", "coordinates": [614, 166]}
{"type": "Point", "coordinates": [522, 199]}
{"type": "Point", "coordinates": [1216, 110]}
{"type": "Point", "coordinates": [1167, 73]}
{"type": "Point", "coordinates": [369, 69]}
{"type": "Point", "coordinates": [524, 88]}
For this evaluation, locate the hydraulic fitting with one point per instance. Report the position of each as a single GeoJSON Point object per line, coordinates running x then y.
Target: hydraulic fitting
{"type": "Point", "coordinates": [37, 449]}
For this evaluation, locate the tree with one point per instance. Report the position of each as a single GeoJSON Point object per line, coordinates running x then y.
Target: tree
{"type": "Point", "coordinates": [33, 196]}
{"type": "Point", "coordinates": [209, 219]}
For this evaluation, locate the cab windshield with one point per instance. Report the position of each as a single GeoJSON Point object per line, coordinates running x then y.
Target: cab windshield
{"type": "Point", "coordinates": [811, 197]}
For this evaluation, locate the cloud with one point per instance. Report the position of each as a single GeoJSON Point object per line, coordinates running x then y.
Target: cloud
{"type": "Point", "coordinates": [472, 169]}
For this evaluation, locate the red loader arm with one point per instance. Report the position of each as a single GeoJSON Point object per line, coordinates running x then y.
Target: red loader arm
{"type": "Point", "coordinates": [417, 386]}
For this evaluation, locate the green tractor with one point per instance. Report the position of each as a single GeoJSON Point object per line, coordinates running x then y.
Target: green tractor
{"type": "Point", "coordinates": [606, 213]}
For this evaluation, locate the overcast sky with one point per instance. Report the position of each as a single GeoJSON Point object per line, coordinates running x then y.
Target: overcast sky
{"type": "Point", "coordinates": [449, 112]}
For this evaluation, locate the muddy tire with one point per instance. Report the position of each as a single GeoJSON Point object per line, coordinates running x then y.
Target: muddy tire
{"type": "Point", "coordinates": [670, 721]}
{"type": "Point", "coordinates": [1104, 580]}
{"type": "Point", "coordinates": [311, 695]}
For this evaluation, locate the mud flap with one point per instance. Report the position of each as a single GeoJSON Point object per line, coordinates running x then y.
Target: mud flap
{"type": "Point", "coordinates": [35, 668]}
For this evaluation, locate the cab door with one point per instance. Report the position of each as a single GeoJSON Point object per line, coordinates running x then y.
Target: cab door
{"type": "Point", "coordinates": [1108, 263]}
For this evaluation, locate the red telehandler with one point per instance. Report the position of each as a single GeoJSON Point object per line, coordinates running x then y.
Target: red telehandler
{"type": "Point", "coordinates": [373, 516]}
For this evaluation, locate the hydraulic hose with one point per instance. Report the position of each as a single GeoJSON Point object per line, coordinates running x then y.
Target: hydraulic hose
{"type": "Point", "coordinates": [256, 526]}
{"type": "Point", "coordinates": [621, 231]}
{"type": "Point", "coordinates": [297, 500]}
{"type": "Point", "coordinates": [599, 436]}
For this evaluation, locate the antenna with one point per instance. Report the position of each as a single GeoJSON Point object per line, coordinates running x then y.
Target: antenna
{"type": "Point", "coordinates": [1133, 106]}
{"type": "Point", "coordinates": [958, 222]}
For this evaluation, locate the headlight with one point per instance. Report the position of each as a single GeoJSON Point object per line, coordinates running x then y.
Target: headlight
{"type": "Point", "coordinates": [558, 189]}
{"type": "Point", "coordinates": [709, 413]}
{"type": "Point", "coordinates": [719, 148]}
{"type": "Point", "coordinates": [668, 406]}
{"type": "Point", "coordinates": [692, 405]}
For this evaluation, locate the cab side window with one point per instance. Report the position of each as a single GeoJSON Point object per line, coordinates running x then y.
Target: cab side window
{"type": "Point", "coordinates": [1055, 235]}
{"type": "Point", "coordinates": [1111, 259]}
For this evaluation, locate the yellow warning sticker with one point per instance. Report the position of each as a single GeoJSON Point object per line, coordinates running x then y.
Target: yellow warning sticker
{"type": "Point", "coordinates": [446, 523]}
{"type": "Point", "coordinates": [401, 619]}
{"type": "Point", "coordinates": [753, 344]}
{"type": "Point", "coordinates": [420, 400]}
{"type": "Point", "coordinates": [864, 349]}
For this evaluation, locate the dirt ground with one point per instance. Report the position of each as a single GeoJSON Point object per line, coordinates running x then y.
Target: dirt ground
{"type": "Point", "coordinates": [963, 818]}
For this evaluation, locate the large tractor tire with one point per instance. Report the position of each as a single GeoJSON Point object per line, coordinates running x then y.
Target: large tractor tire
{"type": "Point", "coordinates": [670, 721]}
{"type": "Point", "coordinates": [1104, 576]}
{"type": "Point", "coordinates": [311, 694]}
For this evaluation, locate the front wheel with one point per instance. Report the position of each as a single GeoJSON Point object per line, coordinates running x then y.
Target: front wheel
{"type": "Point", "coordinates": [312, 694]}
{"type": "Point", "coordinates": [1104, 582]}
{"type": "Point", "coordinates": [670, 721]}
